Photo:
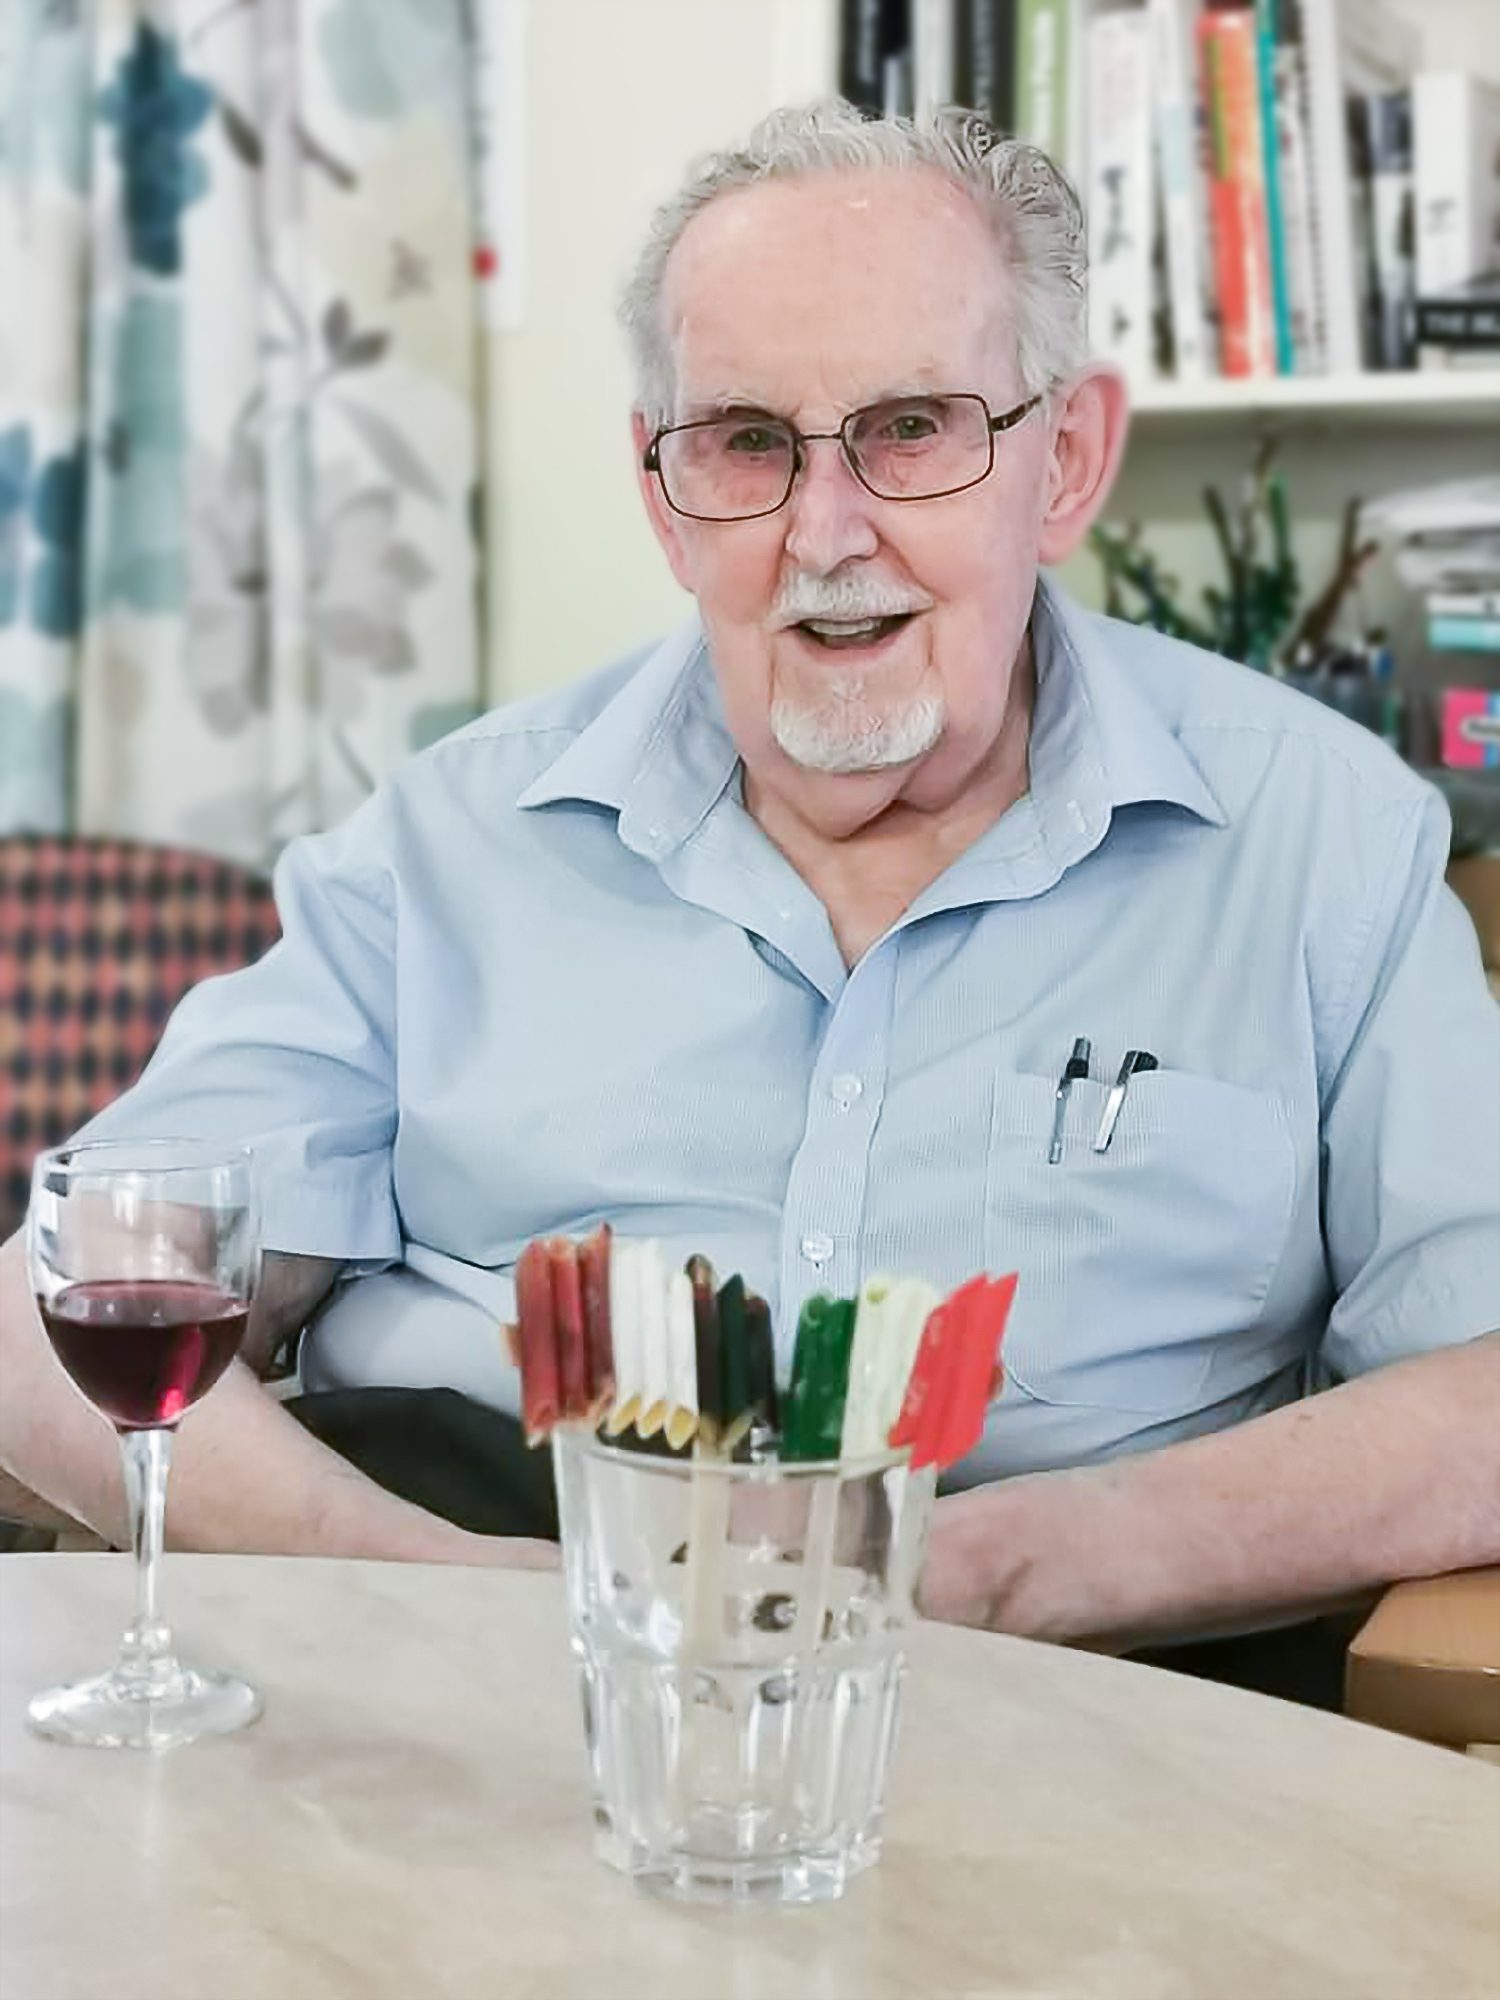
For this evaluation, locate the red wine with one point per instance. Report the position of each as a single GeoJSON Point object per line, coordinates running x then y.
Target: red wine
{"type": "Point", "coordinates": [142, 1349]}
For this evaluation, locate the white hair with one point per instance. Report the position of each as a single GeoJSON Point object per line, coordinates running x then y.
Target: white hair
{"type": "Point", "coordinates": [1027, 202]}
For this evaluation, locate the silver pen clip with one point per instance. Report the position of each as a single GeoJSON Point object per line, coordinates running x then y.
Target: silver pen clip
{"type": "Point", "coordinates": [1076, 1066]}
{"type": "Point", "coordinates": [1135, 1061]}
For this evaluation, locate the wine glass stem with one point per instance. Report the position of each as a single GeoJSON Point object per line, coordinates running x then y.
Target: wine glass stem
{"type": "Point", "coordinates": [146, 1650]}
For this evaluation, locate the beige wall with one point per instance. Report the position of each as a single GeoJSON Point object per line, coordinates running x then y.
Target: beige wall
{"type": "Point", "coordinates": [620, 94]}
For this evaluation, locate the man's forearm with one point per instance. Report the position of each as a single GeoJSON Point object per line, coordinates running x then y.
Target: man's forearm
{"type": "Point", "coordinates": [1394, 1475]}
{"type": "Point", "coordinates": [245, 1475]}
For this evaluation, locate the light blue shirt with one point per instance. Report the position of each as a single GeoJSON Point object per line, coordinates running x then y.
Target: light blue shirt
{"type": "Point", "coordinates": [553, 972]}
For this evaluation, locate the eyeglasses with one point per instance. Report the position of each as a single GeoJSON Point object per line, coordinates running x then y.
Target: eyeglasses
{"type": "Point", "coordinates": [744, 464]}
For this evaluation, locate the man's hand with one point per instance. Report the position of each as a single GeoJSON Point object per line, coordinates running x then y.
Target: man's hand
{"type": "Point", "coordinates": [1391, 1476]}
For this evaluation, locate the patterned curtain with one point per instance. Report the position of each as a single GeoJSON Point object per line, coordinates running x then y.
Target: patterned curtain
{"type": "Point", "coordinates": [239, 423]}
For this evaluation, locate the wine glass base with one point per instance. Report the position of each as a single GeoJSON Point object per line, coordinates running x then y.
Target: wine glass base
{"type": "Point", "coordinates": [114, 1711]}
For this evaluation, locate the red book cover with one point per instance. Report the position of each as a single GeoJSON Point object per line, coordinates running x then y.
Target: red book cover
{"type": "Point", "coordinates": [1228, 65]}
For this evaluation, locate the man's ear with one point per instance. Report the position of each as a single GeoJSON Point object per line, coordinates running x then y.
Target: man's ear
{"type": "Point", "coordinates": [1090, 419]}
{"type": "Point", "coordinates": [666, 525]}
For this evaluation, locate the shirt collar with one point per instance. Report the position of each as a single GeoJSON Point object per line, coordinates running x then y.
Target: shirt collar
{"type": "Point", "coordinates": [660, 753]}
{"type": "Point", "coordinates": [1095, 728]}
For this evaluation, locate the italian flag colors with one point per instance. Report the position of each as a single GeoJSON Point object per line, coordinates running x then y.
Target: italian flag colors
{"type": "Point", "coordinates": [610, 1337]}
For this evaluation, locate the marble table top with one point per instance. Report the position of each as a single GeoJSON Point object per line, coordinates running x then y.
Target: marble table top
{"type": "Point", "coordinates": [409, 1819]}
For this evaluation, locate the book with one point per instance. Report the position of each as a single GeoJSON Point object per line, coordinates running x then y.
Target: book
{"type": "Point", "coordinates": [1267, 35]}
{"type": "Point", "coordinates": [932, 49]}
{"type": "Point", "coordinates": [862, 46]}
{"type": "Point", "coordinates": [1468, 316]}
{"type": "Point", "coordinates": [1349, 46]}
{"type": "Point", "coordinates": [1386, 116]}
{"type": "Point", "coordinates": [1229, 65]}
{"type": "Point", "coordinates": [1173, 60]}
{"type": "Point", "coordinates": [984, 59]}
{"type": "Point", "coordinates": [1304, 300]}
{"type": "Point", "coordinates": [1456, 178]}
{"type": "Point", "coordinates": [1119, 202]}
{"type": "Point", "coordinates": [1046, 49]}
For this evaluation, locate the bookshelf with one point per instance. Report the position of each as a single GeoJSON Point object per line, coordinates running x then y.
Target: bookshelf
{"type": "Point", "coordinates": [1370, 400]}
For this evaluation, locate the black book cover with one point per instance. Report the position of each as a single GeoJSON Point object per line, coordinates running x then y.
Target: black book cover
{"type": "Point", "coordinates": [875, 55]}
{"type": "Point", "coordinates": [1468, 316]}
{"type": "Point", "coordinates": [984, 60]}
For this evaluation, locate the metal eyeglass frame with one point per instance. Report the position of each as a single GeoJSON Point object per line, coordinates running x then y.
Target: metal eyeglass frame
{"type": "Point", "coordinates": [1007, 420]}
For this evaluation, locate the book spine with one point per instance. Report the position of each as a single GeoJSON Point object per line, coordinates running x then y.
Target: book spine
{"type": "Point", "coordinates": [1456, 175]}
{"type": "Point", "coordinates": [1458, 322]}
{"type": "Point", "coordinates": [1333, 218]}
{"type": "Point", "coordinates": [1294, 177]}
{"type": "Point", "coordinates": [1267, 15]}
{"type": "Point", "coordinates": [1237, 197]}
{"type": "Point", "coordinates": [1044, 59]}
{"type": "Point", "coordinates": [862, 56]}
{"type": "Point", "coordinates": [933, 23]}
{"type": "Point", "coordinates": [1388, 129]}
{"type": "Point", "coordinates": [1119, 204]}
{"type": "Point", "coordinates": [1173, 66]}
{"type": "Point", "coordinates": [985, 59]}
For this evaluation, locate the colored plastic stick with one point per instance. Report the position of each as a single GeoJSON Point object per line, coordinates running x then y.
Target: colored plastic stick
{"type": "Point", "coordinates": [734, 1360]}
{"type": "Point", "coordinates": [820, 1379]}
{"type": "Point", "coordinates": [656, 1386]}
{"type": "Point", "coordinates": [707, 1340]}
{"type": "Point", "coordinates": [593, 1266]}
{"type": "Point", "coordinates": [761, 1360]}
{"type": "Point", "coordinates": [572, 1340]}
{"type": "Point", "coordinates": [985, 1312]}
{"type": "Point", "coordinates": [536, 1336]}
{"type": "Point", "coordinates": [888, 1322]}
{"type": "Point", "coordinates": [922, 1407]}
{"type": "Point", "coordinates": [682, 1361]}
{"type": "Point", "coordinates": [625, 1332]}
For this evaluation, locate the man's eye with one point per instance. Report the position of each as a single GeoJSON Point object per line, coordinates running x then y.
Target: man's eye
{"type": "Point", "coordinates": [753, 440]}
{"type": "Point", "coordinates": [911, 427]}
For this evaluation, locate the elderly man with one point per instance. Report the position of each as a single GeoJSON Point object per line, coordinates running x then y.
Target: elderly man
{"type": "Point", "coordinates": [773, 942]}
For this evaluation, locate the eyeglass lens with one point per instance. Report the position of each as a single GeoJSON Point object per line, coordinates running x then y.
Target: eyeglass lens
{"type": "Point", "coordinates": [906, 448]}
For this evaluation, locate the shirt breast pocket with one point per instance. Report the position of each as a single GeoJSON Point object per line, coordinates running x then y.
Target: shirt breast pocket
{"type": "Point", "coordinates": [1135, 1263]}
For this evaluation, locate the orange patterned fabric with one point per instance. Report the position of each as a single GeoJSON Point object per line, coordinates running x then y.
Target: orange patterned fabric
{"type": "Point", "coordinates": [99, 940]}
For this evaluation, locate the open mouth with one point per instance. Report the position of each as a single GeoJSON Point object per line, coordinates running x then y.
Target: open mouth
{"type": "Point", "coordinates": [841, 634]}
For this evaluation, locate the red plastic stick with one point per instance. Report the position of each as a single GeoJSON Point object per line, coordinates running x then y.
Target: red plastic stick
{"type": "Point", "coordinates": [572, 1341]}
{"type": "Point", "coordinates": [536, 1338]}
{"type": "Point", "coordinates": [924, 1388]}
{"type": "Point", "coordinates": [986, 1307]}
{"type": "Point", "coordinates": [593, 1265]}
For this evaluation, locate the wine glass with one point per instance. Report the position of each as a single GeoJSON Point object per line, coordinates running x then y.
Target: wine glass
{"type": "Point", "coordinates": [143, 1258]}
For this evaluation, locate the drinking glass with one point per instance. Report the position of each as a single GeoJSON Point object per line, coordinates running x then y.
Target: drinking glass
{"type": "Point", "coordinates": [143, 1259]}
{"type": "Point", "coordinates": [739, 1634]}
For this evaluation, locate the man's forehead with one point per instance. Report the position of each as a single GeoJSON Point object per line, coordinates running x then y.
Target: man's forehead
{"type": "Point", "coordinates": [840, 288]}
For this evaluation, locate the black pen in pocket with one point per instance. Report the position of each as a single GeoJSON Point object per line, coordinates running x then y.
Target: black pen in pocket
{"type": "Point", "coordinates": [1075, 1067]}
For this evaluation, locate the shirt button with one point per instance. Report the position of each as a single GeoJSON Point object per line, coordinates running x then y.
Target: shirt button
{"type": "Point", "coordinates": [844, 1089]}
{"type": "Point", "coordinates": [816, 1247]}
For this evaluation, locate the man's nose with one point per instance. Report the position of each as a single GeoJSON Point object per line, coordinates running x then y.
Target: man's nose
{"type": "Point", "coordinates": [830, 517]}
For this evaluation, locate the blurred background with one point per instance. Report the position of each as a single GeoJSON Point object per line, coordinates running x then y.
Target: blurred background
{"type": "Point", "coordinates": [314, 412]}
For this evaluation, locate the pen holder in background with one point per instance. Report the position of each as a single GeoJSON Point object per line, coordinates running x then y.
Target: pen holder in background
{"type": "Point", "coordinates": [739, 1633]}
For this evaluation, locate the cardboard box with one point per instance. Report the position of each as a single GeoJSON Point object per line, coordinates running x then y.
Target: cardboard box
{"type": "Point", "coordinates": [1427, 1660]}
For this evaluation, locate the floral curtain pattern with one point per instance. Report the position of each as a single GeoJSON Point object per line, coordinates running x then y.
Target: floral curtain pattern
{"type": "Point", "coordinates": [239, 411]}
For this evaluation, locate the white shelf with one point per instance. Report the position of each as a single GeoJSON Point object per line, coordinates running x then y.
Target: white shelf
{"type": "Point", "coordinates": [1458, 396]}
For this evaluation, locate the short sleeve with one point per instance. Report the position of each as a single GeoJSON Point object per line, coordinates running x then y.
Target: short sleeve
{"type": "Point", "coordinates": [1411, 1121]}
{"type": "Point", "coordinates": [295, 1055]}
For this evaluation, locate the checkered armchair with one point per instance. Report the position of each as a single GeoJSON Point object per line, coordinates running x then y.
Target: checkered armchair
{"type": "Point", "coordinates": [99, 940]}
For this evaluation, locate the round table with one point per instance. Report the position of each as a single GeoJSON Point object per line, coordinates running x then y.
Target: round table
{"type": "Point", "coordinates": [409, 1819]}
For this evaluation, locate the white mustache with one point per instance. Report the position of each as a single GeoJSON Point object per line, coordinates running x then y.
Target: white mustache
{"type": "Point", "coordinates": [850, 595]}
